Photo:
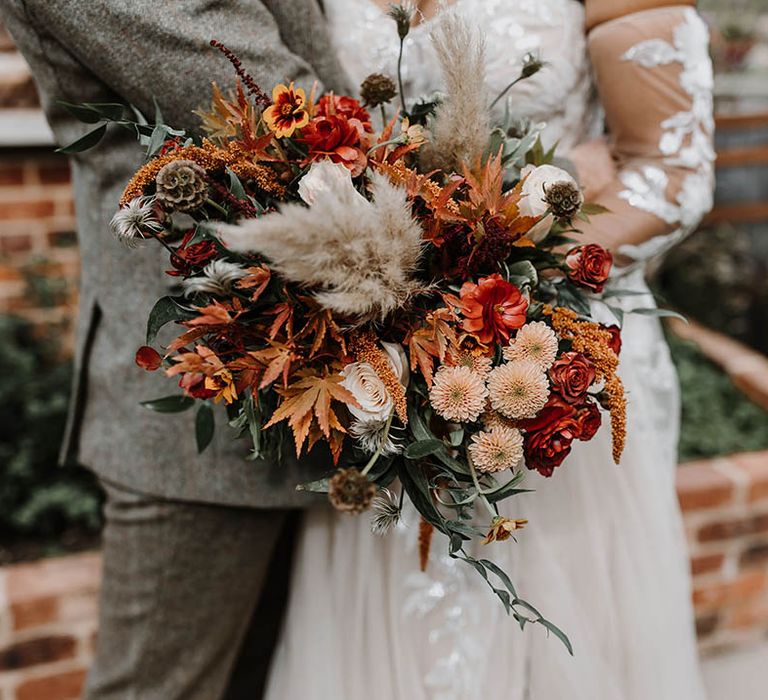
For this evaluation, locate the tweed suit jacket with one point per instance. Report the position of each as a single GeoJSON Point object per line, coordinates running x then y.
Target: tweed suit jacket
{"type": "Point", "coordinates": [132, 51]}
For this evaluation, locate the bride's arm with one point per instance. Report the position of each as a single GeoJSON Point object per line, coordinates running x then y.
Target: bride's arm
{"type": "Point", "coordinates": [653, 75]}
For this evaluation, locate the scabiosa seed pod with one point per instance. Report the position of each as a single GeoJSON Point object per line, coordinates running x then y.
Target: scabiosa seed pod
{"type": "Point", "coordinates": [565, 199]}
{"type": "Point", "coordinates": [350, 491]}
{"type": "Point", "coordinates": [181, 186]}
{"type": "Point", "coordinates": [377, 89]}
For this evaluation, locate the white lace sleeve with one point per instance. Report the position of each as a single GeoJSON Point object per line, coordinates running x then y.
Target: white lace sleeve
{"type": "Point", "coordinates": [654, 75]}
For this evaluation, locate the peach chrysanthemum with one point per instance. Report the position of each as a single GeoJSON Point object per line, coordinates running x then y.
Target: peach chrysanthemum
{"type": "Point", "coordinates": [479, 364]}
{"type": "Point", "coordinates": [518, 389]}
{"type": "Point", "coordinates": [458, 394]}
{"type": "Point", "coordinates": [535, 341]}
{"type": "Point", "coordinates": [497, 449]}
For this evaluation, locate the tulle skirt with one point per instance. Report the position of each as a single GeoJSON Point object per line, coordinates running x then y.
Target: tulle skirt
{"type": "Point", "coordinates": [603, 557]}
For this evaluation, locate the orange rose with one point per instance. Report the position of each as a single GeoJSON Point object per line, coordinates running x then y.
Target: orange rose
{"type": "Point", "coordinates": [572, 374]}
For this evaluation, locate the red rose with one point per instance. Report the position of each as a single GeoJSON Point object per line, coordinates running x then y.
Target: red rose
{"type": "Point", "coordinates": [190, 257]}
{"type": "Point", "coordinates": [589, 266]}
{"type": "Point", "coordinates": [492, 308]}
{"type": "Point", "coordinates": [344, 106]}
{"type": "Point", "coordinates": [549, 436]}
{"type": "Point", "coordinates": [588, 419]}
{"type": "Point", "coordinates": [572, 374]}
{"type": "Point", "coordinates": [336, 138]}
{"type": "Point", "coordinates": [615, 342]}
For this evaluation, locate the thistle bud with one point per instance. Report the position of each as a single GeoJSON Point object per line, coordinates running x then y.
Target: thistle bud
{"type": "Point", "coordinates": [402, 13]}
{"type": "Point", "coordinates": [532, 64]}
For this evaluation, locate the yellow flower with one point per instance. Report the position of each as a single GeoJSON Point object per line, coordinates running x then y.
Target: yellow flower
{"type": "Point", "coordinates": [502, 529]}
{"type": "Point", "coordinates": [287, 112]}
{"type": "Point", "coordinates": [223, 383]}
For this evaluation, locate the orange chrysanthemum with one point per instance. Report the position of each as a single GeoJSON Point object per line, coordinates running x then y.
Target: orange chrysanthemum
{"type": "Point", "coordinates": [287, 112]}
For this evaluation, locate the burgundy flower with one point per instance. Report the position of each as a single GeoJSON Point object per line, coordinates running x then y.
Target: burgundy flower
{"type": "Point", "coordinates": [549, 436]}
{"type": "Point", "coordinates": [615, 342]}
{"type": "Point", "coordinates": [589, 266]}
{"type": "Point", "coordinates": [589, 420]}
{"type": "Point", "coordinates": [572, 374]}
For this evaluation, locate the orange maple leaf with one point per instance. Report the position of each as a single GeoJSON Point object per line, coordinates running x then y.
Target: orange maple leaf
{"type": "Point", "coordinates": [310, 398]}
{"type": "Point", "coordinates": [257, 280]}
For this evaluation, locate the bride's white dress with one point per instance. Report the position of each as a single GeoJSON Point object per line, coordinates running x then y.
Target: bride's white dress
{"type": "Point", "coordinates": [603, 556]}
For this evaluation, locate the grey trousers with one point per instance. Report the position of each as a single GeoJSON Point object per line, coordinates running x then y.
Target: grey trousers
{"type": "Point", "coordinates": [192, 599]}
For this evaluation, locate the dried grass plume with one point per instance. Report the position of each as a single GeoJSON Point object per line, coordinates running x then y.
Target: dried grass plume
{"type": "Point", "coordinates": [360, 255]}
{"type": "Point", "coordinates": [462, 122]}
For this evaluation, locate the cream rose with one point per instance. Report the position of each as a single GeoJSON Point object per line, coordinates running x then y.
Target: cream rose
{"type": "Point", "coordinates": [536, 180]}
{"type": "Point", "coordinates": [323, 176]}
{"type": "Point", "coordinates": [369, 391]}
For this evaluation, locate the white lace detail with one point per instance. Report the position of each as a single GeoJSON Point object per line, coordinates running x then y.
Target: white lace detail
{"type": "Point", "coordinates": [685, 142]}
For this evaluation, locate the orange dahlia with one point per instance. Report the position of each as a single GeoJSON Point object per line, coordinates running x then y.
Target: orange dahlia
{"type": "Point", "coordinates": [287, 112]}
{"type": "Point", "coordinates": [492, 308]}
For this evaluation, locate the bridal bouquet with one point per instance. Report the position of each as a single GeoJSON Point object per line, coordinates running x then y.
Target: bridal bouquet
{"type": "Point", "coordinates": [410, 297]}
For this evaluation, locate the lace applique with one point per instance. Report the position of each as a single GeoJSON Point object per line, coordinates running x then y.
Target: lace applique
{"type": "Point", "coordinates": [686, 140]}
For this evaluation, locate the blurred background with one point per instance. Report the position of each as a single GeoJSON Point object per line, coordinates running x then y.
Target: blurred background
{"type": "Point", "coordinates": [50, 516]}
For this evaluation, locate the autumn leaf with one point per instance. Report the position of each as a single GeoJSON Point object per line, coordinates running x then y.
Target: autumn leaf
{"type": "Point", "coordinates": [431, 342]}
{"type": "Point", "coordinates": [256, 281]}
{"type": "Point", "coordinates": [320, 325]}
{"type": "Point", "coordinates": [310, 398]}
{"type": "Point", "coordinates": [283, 313]}
{"type": "Point", "coordinates": [215, 314]}
{"type": "Point", "coordinates": [277, 360]}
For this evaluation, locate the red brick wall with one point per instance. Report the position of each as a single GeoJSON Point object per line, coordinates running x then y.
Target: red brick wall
{"type": "Point", "coordinates": [38, 255]}
{"type": "Point", "coordinates": [725, 503]}
{"type": "Point", "coordinates": [48, 615]}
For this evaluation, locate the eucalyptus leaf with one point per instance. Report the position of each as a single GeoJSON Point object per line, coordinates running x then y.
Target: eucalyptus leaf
{"type": "Point", "coordinates": [84, 113]}
{"type": "Point", "coordinates": [423, 448]}
{"type": "Point", "coordinates": [165, 310]}
{"type": "Point", "coordinates": [659, 313]}
{"type": "Point", "coordinates": [592, 208]}
{"type": "Point", "coordinates": [85, 142]}
{"type": "Point", "coordinates": [204, 426]}
{"type": "Point", "coordinates": [175, 403]}
{"type": "Point", "coordinates": [319, 486]}
{"type": "Point", "coordinates": [558, 633]}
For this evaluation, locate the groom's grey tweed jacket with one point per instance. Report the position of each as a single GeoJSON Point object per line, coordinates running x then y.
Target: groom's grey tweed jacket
{"type": "Point", "coordinates": [131, 51]}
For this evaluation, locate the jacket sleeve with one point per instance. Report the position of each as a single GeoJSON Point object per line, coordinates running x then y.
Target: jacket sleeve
{"type": "Point", "coordinates": [145, 49]}
{"type": "Point", "coordinates": [654, 78]}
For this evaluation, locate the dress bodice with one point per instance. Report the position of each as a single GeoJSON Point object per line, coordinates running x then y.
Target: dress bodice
{"type": "Point", "coordinates": [559, 95]}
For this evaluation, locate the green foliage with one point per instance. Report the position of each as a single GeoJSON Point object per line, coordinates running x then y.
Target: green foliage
{"type": "Point", "coordinates": [717, 419]}
{"type": "Point", "coordinates": [37, 498]}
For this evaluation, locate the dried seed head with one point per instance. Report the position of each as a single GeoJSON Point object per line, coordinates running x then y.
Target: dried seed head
{"type": "Point", "coordinates": [181, 186]}
{"type": "Point", "coordinates": [377, 89]}
{"type": "Point", "coordinates": [565, 199]}
{"type": "Point", "coordinates": [350, 491]}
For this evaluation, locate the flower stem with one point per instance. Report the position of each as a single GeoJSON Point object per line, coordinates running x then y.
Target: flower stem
{"type": "Point", "coordinates": [173, 253]}
{"type": "Point", "coordinates": [375, 456]}
{"type": "Point", "coordinates": [400, 76]}
{"type": "Point", "coordinates": [480, 492]}
{"type": "Point", "coordinates": [217, 206]}
{"type": "Point", "coordinates": [505, 91]}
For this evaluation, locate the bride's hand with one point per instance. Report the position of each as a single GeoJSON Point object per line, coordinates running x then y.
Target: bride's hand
{"type": "Point", "coordinates": [595, 167]}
